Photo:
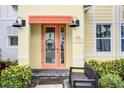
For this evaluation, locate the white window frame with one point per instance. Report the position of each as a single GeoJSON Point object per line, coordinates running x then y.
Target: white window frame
{"type": "Point", "coordinates": [8, 37]}
{"type": "Point", "coordinates": [111, 38]}
{"type": "Point", "coordinates": [121, 53]}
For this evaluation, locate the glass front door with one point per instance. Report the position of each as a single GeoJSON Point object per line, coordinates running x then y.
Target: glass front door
{"type": "Point", "coordinates": [53, 47]}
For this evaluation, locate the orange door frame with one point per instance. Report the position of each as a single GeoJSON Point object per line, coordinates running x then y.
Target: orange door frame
{"type": "Point", "coordinates": [57, 64]}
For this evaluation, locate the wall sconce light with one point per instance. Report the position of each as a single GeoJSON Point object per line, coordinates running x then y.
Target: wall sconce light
{"type": "Point", "coordinates": [20, 22]}
{"type": "Point", "coordinates": [75, 22]}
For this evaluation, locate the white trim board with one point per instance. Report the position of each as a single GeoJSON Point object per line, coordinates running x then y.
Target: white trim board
{"type": "Point", "coordinates": [100, 55]}
{"type": "Point", "coordinates": [121, 22]}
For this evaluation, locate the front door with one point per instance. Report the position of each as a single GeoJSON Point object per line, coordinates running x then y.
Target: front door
{"type": "Point", "coordinates": [53, 40]}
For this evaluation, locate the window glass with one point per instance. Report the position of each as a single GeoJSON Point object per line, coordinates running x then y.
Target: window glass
{"type": "Point", "coordinates": [122, 44]}
{"type": "Point", "coordinates": [13, 40]}
{"type": "Point", "coordinates": [103, 37]}
{"type": "Point", "coordinates": [50, 45]}
{"type": "Point", "coordinates": [103, 31]}
{"type": "Point", "coordinates": [122, 30]}
{"type": "Point", "coordinates": [122, 37]}
{"type": "Point", "coordinates": [103, 45]}
{"type": "Point", "coordinates": [62, 44]}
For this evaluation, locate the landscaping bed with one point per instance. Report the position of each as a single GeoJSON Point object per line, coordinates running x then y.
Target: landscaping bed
{"type": "Point", "coordinates": [4, 64]}
{"type": "Point", "coordinates": [34, 82]}
{"type": "Point", "coordinates": [111, 72]}
{"type": "Point", "coordinates": [14, 76]}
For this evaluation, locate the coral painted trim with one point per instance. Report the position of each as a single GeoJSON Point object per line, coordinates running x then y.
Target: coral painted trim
{"type": "Point", "coordinates": [50, 19]}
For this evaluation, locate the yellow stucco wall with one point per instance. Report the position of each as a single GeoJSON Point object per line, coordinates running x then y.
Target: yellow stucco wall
{"type": "Point", "coordinates": [35, 46]}
{"type": "Point", "coordinates": [27, 38]}
{"type": "Point", "coordinates": [68, 50]}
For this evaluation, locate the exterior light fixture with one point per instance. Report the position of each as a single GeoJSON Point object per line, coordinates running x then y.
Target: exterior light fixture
{"type": "Point", "coordinates": [74, 23]}
{"type": "Point", "coordinates": [20, 22]}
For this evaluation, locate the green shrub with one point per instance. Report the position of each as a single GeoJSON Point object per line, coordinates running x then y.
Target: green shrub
{"type": "Point", "coordinates": [113, 66]}
{"type": "Point", "coordinates": [0, 82]}
{"type": "Point", "coordinates": [121, 65]}
{"type": "Point", "coordinates": [111, 81]}
{"type": "Point", "coordinates": [93, 63]}
{"type": "Point", "coordinates": [12, 62]}
{"type": "Point", "coordinates": [16, 77]}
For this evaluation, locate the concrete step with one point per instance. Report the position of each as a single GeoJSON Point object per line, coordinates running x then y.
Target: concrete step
{"type": "Point", "coordinates": [52, 82]}
{"type": "Point", "coordinates": [50, 72]}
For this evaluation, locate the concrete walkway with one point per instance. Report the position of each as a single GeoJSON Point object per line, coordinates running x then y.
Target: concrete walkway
{"type": "Point", "coordinates": [50, 86]}
{"type": "Point", "coordinates": [51, 78]}
{"type": "Point", "coordinates": [51, 82]}
{"type": "Point", "coordinates": [51, 73]}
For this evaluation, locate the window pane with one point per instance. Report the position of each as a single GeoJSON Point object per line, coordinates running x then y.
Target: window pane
{"type": "Point", "coordinates": [50, 45]}
{"type": "Point", "coordinates": [13, 40]}
{"type": "Point", "coordinates": [103, 45]}
{"type": "Point", "coordinates": [103, 31]}
{"type": "Point", "coordinates": [122, 44]}
{"type": "Point", "coordinates": [62, 44]}
{"type": "Point", "coordinates": [122, 30]}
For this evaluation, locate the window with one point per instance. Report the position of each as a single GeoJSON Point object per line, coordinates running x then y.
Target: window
{"type": "Point", "coordinates": [13, 40]}
{"type": "Point", "coordinates": [12, 35]}
{"type": "Point", "coordinates": [122, 37]}
{"type": "Point", "coordinates": [62, 43]}
{"type": "Point", "coordinates": [103, 37]}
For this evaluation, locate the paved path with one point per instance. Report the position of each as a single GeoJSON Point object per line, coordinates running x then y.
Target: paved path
{"type": "Point", "coordinates": [50, 86]}
{"type": "Point", "coordinates": [51, 82]}
{"type": "Point", "coordinates": [51, 72]}
{"type": "Point", "coordinates": [51, 78]}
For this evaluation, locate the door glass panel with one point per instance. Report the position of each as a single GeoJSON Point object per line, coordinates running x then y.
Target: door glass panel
{"type": "Point", "coordinates": [62, 44]}
{"type": "Point", "coordinates": [50, 45]}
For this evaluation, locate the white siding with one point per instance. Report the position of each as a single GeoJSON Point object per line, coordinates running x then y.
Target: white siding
{"type": "Point", "coordinates": [7, 17]}
{"type": "Point", "coordinates": [6, 11]}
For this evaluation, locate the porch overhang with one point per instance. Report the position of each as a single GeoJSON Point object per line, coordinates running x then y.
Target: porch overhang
{"type": "Point", "coordinates": [50, 19]}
